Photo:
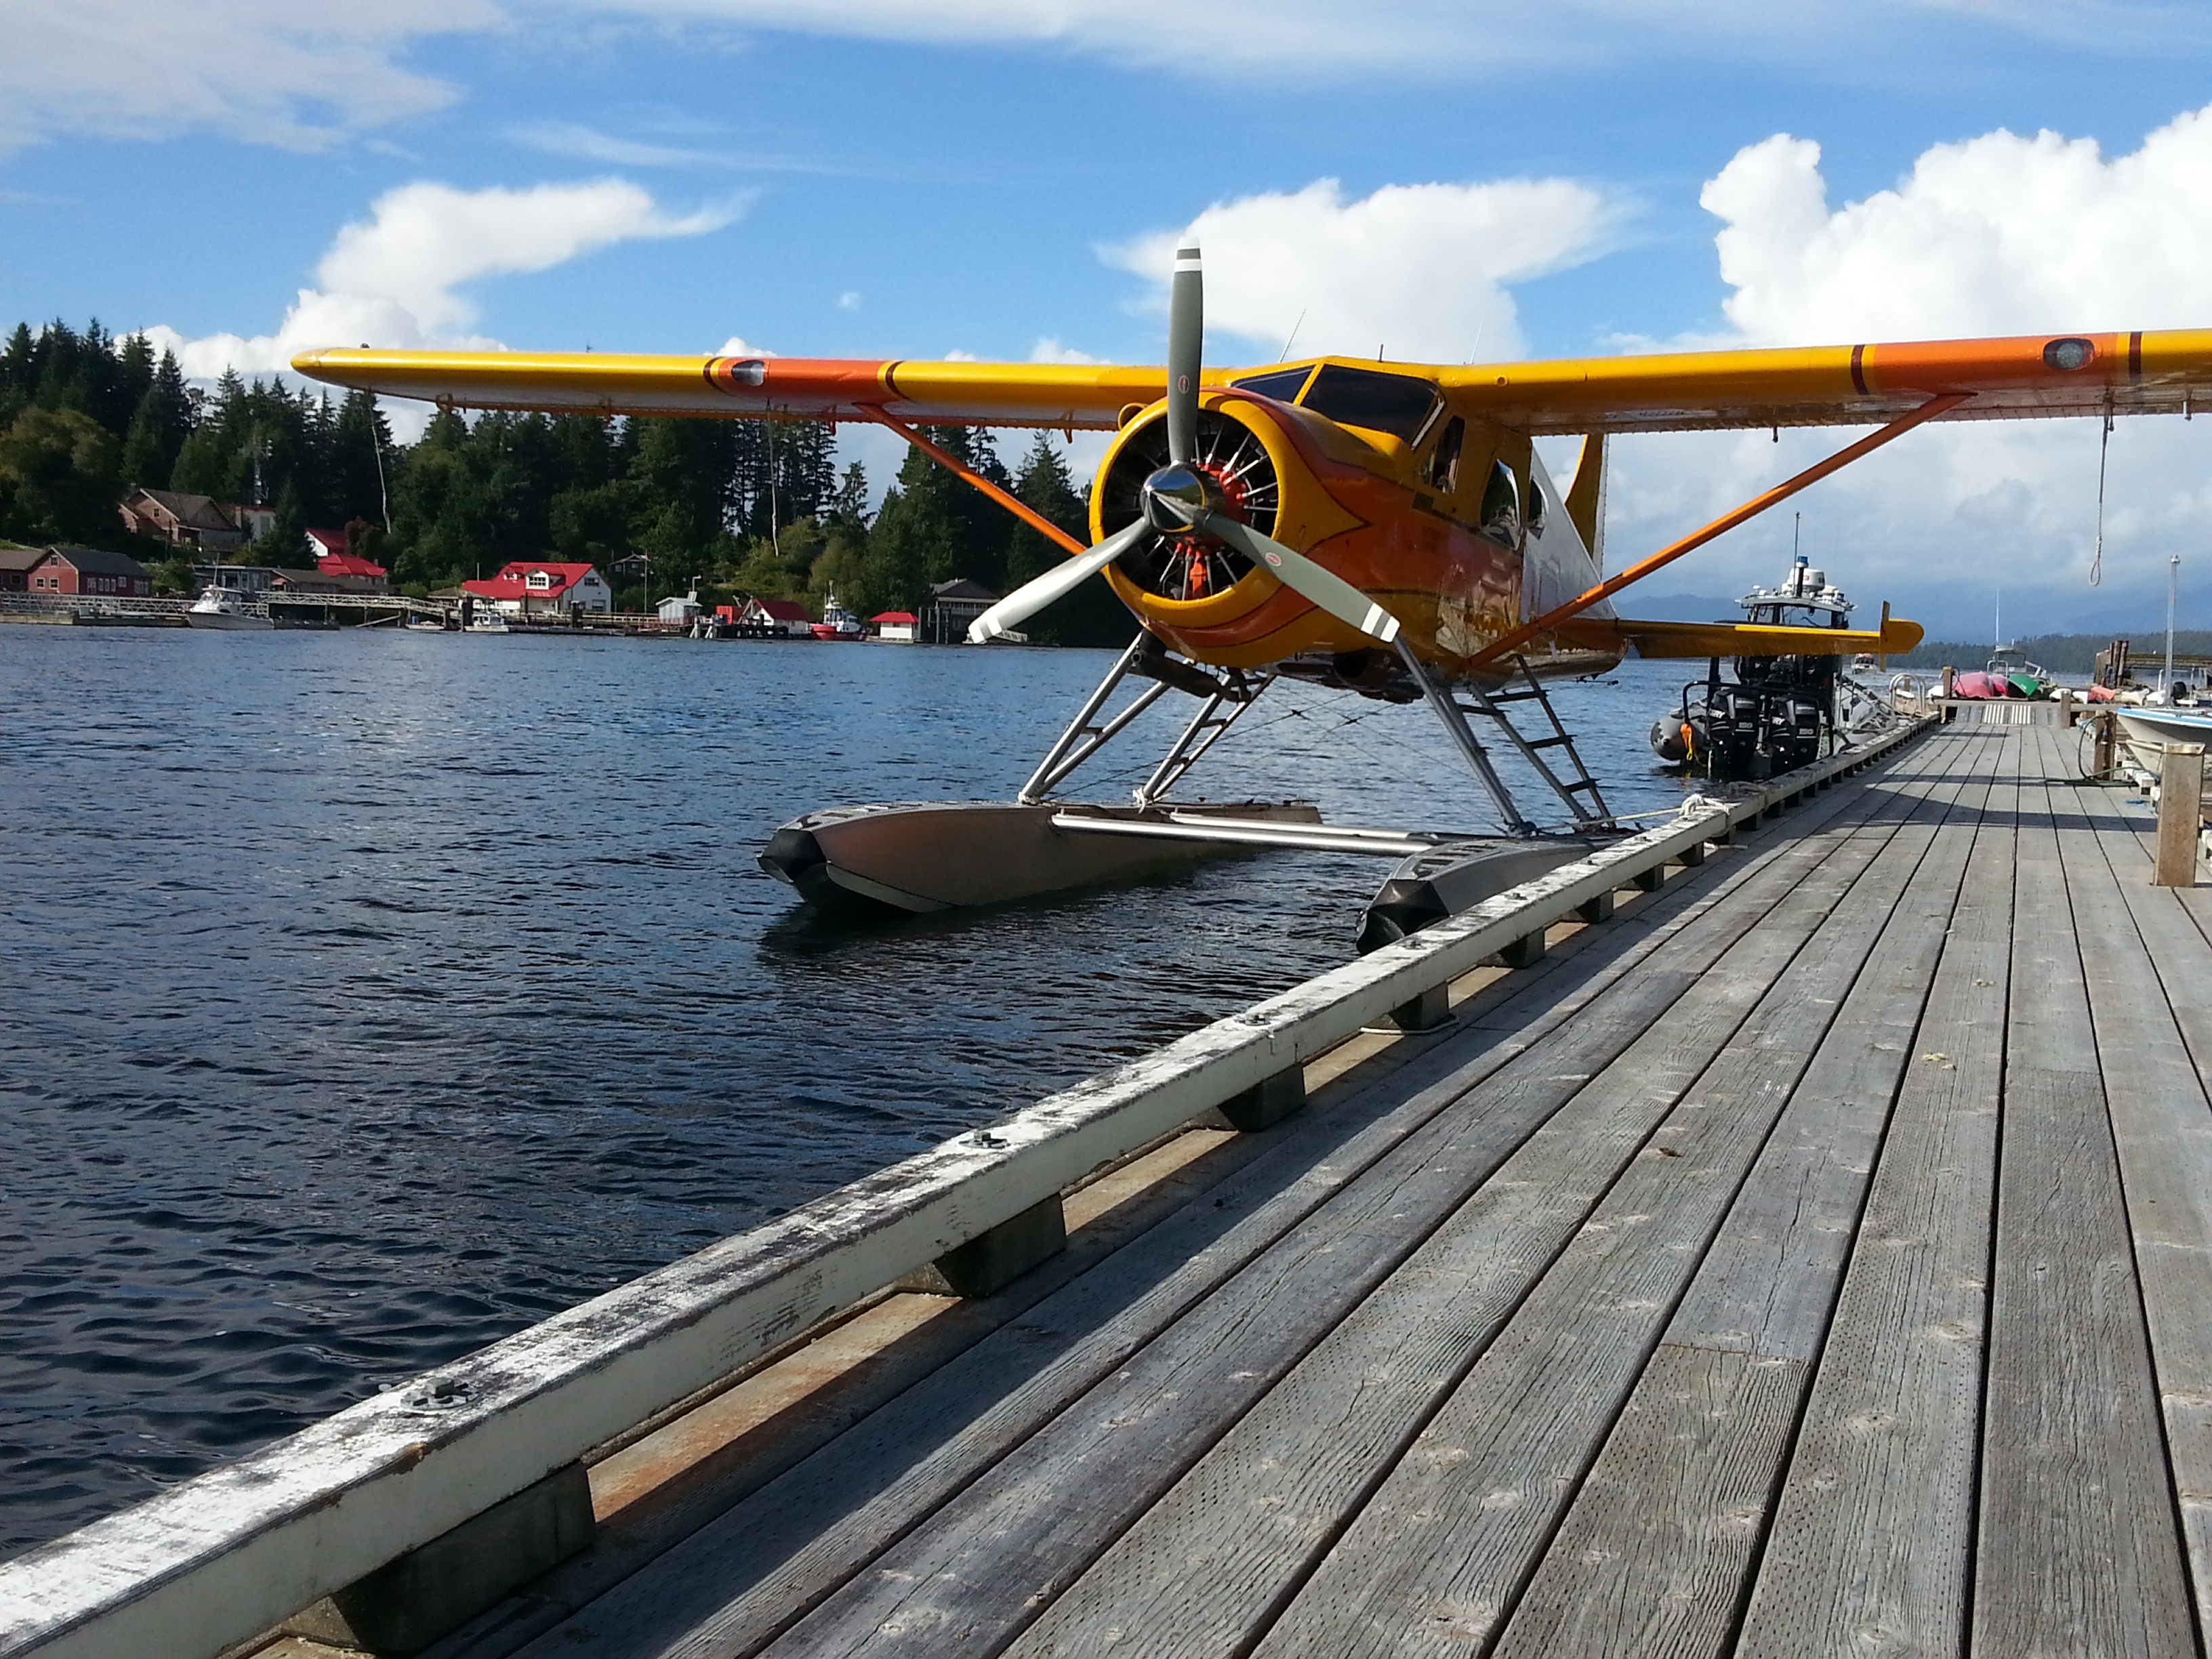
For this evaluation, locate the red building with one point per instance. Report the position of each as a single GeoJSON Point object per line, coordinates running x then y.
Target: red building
{"type": "Point", "coordinates": [85, 570]}
{"type": "Point", "coordinates": [783, 616]}
{"type": "Point", "coordinates": [332, 559]}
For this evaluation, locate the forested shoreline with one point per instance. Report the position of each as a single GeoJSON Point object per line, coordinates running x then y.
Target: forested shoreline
{"type": "Point", "coordinates": [726, 507]}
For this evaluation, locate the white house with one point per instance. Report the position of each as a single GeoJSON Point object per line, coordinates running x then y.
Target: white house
{"type": "Point", "coordinates": [531, 587]}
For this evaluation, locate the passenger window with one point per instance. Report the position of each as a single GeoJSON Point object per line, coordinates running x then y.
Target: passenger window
{"type": "Point", "coordinates": [1443, 465]}
{"type": "Point", "coordinates": [1501, 506]}
{"type": "Point", "coordinates": [1538, 508]}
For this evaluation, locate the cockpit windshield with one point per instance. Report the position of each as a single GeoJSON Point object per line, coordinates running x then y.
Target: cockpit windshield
{"type": "Point", "coordinates": [1396, 404]}
{"type": "Point", "coordinates": [1281, 384]}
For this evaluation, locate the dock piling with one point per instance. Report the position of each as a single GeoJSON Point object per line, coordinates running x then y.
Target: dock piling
{"type": "Point", "coordinates": [1268, 1102]}
{"type": "Point", "coordinates": [2180, 814]}
{"type": "Point", "coordinates": [997, 1257]}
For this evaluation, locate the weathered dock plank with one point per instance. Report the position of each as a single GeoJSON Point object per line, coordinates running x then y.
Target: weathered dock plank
{"type": "Point", "coordinates": [1437, 1556]}
{"type": "Point", "coordinates": [2145, 962]}
{"type": "Point", "coordinates": [1655, 1554]}
{"type": "Point", "coordinates": [2077, 1549]}
{"type": "Point", "coordinates": [1870, 1549]}
{"type": "Point", "coordinates": [1240, 1532]}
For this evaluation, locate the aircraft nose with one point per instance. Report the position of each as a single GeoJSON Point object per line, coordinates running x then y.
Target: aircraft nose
{"type": "Point", "coordinates": [1175, 495]}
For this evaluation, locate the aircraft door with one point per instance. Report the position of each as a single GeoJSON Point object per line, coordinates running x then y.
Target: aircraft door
{"type": "Point", "coordinates": [1557, 567]}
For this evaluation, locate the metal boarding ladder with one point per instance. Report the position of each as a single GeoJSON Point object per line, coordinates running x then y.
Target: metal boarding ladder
{"type": "Point", "coordinates": [1592, 811]}
{"type": "Point", "coordinates": [1492, 706]}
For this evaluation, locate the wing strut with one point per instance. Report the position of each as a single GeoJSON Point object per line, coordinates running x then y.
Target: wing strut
{"type": "Point", "coordinates": [1757, 504]}
{"type": "Point", "coordinates": [968, 475]}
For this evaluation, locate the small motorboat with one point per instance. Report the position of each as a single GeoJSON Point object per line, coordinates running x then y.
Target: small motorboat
{"type": "Point", "coordinates": [2148, 728]}
{"type": "Point", "coordinates": [1777, 713]}
{"type": "Point", "coordinates": [228, 608]}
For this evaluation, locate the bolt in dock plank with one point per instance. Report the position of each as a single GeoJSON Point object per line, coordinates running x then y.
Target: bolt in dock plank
{"type": "Point", "coordinates": [1814, 1257]}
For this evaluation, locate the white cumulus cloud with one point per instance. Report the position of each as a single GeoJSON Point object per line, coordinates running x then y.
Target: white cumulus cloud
{"type": "Point", "coordinates": [2001, 233]}
{"type": "Point", "coordinates": [1416, 272]}
{"type": "Point", "coordinates": [423, 241]}
{"type": "Point", "coordinates": [397, 279]}
{"type": "Point", "coordinates": [1998, 234]}
{"type": "Point", "coordinates": [1048, 350]}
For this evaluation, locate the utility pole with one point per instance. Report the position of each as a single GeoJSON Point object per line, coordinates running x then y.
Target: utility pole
{"type": "Point", "coordinates": [2172, 594]}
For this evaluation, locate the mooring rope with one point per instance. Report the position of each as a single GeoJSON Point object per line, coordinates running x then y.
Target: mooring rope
{"type": "Point", "coordinates": [2097, 558]}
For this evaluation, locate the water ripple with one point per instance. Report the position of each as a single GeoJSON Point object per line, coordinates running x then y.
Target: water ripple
{"type": "Point", "coordinates": [372, 995]}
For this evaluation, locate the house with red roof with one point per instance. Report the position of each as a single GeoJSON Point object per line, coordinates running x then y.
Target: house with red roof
{"type": "Point", "coordinates": [896, 626]}
{"type": "Point", "coordinates": [328, 548]}
{"type": "Point", "coordinates": [532, 587]}
{"type": "Point", "coordinates": [784, 615]}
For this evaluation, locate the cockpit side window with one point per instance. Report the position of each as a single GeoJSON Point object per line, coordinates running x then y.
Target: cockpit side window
{"type": "Point", "coordinates": [1500, 519]}
{"type": "Point", "coordinates": [1443, 465]}
{"type": "Point", "coordinates": [1396, 404]}
{"type": "Point", "coordinates": [1283, 384]}
{"type": "Point", "coordinates": [1539, 508]}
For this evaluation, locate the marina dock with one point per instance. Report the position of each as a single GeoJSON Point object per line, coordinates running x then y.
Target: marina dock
{"type": "Point", "coordinates": [1789, 1233]}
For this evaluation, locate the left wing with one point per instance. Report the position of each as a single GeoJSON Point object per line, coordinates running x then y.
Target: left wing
{"type": "Point", "coordinates": [822, 388]}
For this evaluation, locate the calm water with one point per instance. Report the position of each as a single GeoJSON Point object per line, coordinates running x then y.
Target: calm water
{"type": "Point", "coordinates": [369, 995]}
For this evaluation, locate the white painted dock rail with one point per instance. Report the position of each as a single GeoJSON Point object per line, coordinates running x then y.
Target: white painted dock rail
{"type": "Point", "coordinates": [239, 1549]}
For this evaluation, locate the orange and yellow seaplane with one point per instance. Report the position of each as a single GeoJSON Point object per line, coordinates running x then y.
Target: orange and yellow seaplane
{"type": "Point", "coordinates": [1386, 529]}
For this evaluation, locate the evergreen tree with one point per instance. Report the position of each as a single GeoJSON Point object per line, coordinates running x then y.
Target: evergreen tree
{"type": "Point", "coordinates": [57, 479]}
{"type": "Point", "coordinates": [360, 459]}
{"type": "Point", "coordinates": [848, 507]}
{"type": "Point", "coordinates": [158, 427]}
{"type": "Point", "coordinates": [284, 543]}
{"type": "Point", "coordinates": [935, 527]}
{"type": "Point", "coordinates": [1089, 615]}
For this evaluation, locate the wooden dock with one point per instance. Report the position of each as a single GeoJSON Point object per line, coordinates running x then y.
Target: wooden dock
{"type": "Point", "coordinates": [1811, 1259]}
{"type": "Point", "coordinates": [1804, 1247]}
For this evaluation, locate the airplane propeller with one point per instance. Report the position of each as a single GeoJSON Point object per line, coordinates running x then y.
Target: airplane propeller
{"type": "Point", "coordinates": [1180, 499]}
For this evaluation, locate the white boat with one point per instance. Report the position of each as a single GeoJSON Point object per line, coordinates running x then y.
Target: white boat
{"type": "Point", "coordinates": [2149, 727]}
{"type": "Point", "coordinates": [485, 619]}
{"type": "Point", "coordinates": [227, 608]}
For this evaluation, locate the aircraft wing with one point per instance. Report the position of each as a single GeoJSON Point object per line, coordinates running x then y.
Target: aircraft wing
{"type": "Point", "coordinates": [2024, 377]}
{"type": "Point", "coordinates": [825, 388]}
{"type": "Point", "coordinates": [2031, 375]}
{"type": "Point", "coordinates": [1721, 639]}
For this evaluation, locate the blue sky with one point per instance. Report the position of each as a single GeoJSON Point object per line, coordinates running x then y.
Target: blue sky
{"type": "Point", "coordinates": [881, 178]}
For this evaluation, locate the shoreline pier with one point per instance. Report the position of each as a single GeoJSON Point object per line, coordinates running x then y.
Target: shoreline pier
{"type": "Point", "coordinates": [1787, 1232]}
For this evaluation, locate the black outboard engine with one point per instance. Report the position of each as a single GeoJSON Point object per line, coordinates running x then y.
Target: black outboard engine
{"type": "Point", "coordinates": [1776, 713]}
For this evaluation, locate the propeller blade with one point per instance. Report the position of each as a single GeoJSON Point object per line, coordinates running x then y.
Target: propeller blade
{"type": "Point", "coordinates": [1186, 346]}
{"type": "Point", "coordinates": [1325, 588]}
{"type": "Point", "coordinates": [1032, 596]}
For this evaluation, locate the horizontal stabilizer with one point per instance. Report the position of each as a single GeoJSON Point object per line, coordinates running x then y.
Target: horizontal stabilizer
{"type": "Point", "coordinates": [1720, 639]}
